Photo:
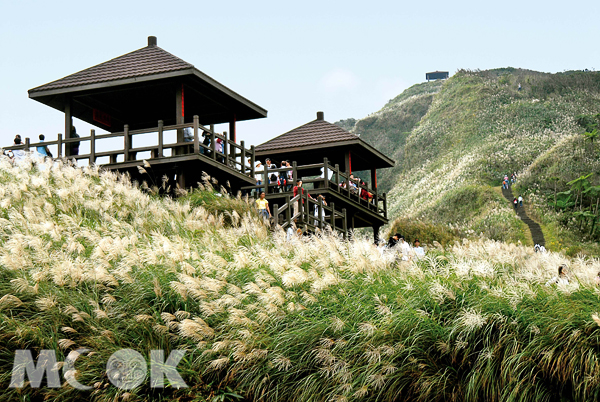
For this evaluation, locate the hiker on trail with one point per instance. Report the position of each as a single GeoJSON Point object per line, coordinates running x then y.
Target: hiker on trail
{"type": "Point", "coordinates": [263, 206]}
{"type": "Point", "coordinates": [43, 149]}
{"type": "Point", "coordinates": [562, 278]}
{"type": "Point", "coordinates": [597, 280]}
{"type": "Point", "coordinates": [504, 185]}
{"type": "Point", "coordinates": [74, 145]}
{"type": "Point", "coordinates": [418, 250]}
{"type": "Point", "coordinates": [539, 249]}
{"type": "Point", "coordinates": [520, 201]}
{"type": "Point", "coordinates": [515, 203]}
{"type": "Point", "coordinates": [519, 88]}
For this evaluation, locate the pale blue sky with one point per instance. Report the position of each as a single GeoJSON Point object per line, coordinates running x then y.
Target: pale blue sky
{"type": "Point", "coordinates": [346, 58]}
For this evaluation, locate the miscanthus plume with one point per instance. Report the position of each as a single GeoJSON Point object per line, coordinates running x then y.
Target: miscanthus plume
{"type": "Point", "coordinates": [88, 259]}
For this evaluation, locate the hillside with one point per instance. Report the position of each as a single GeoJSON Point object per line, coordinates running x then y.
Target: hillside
{"type": "Point", "coordinates": [480, 127]}
{"type": "Point", "coordinates": [87, 260]}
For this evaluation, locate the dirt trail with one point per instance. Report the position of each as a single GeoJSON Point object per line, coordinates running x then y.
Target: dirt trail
{"type": "Point", "coordinates": [534, 227]}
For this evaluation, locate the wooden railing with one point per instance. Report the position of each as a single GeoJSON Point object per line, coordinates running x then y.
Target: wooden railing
{"type": "Point", "coordinates": [233, 155]}
{"type": "Point", "coordinates": [377, 203]}
{"type": "Point", "coordinates": [297, 211]}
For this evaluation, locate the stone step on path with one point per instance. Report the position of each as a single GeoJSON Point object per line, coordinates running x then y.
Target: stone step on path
{"type": "Point", "coordinates": [534, 227]}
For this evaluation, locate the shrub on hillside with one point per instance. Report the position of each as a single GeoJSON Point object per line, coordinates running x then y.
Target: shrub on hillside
{"type": "Point", "coordinates": [426, 232]}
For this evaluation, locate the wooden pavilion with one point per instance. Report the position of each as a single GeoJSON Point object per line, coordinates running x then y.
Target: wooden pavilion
{"type": "Point", "coordinates": [324, 155]}
{"type": "Point", "coordinates": [150, 90]}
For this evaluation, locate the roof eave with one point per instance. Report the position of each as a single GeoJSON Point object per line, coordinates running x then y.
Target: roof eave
{"type": "Point", "coordinates": [262, 112]}
{"type": "Point", "coordinates": [358, 141]}
{"type": "Point", "coordinates": [33, 93]}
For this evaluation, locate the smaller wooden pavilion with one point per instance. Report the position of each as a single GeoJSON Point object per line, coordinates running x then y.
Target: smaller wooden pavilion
{"type": "Point", "coordinates": [318, 147]}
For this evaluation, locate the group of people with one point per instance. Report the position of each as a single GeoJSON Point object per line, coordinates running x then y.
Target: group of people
{"type": "Point", "coordinates": [262, 204]}
{"type": "Point", "coordinates": [282, 180]}
{"type": "Point", "coordinates": [517, 202]}
{"type": "Point", "coordinates": [507, 182]}
{"type": "Point", "coordinates": [398, 244]}
{"type": "Point", "coordinates": [41, 150]}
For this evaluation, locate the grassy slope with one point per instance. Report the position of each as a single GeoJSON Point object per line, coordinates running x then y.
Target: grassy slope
{"type": "Point", "coordinates": [388, 129]}
{"type": "Point", "coordinates": [87, 260]}
{"type": "Point", "coordinates": [478, 128]}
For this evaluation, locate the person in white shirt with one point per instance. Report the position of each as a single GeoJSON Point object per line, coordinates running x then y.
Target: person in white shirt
{"type": "Point", "coordinates": [520, 199]}
{"type": "Point", "coordinates": [18, 154]}
{"type": "Point", "coordinates": [273, 176]}
{"type": "Point", "coordinates": [258, 175]}
{"type": "Point", "coordinates": [322, 198]}
{"type": "Point", "coordinates": [419, 251]}
{"type": "Point", "coordinates": [404, 248]}
{"type": "Point", "coordinates": [561, 279]}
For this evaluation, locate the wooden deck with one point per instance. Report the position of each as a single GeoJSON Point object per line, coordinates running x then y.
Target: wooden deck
{"type": "Point", "coordinates": [187, 159]}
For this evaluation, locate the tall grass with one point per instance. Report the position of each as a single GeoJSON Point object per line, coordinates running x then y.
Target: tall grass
{"type": "Point", "coordinates": [88, 260]}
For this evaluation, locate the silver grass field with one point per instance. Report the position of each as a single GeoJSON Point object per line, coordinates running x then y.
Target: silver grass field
{"type": "Point", "coordinates": [88, 259]}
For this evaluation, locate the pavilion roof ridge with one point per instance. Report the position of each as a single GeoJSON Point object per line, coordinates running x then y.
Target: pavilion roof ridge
{"type": "Point", "coordinates": [312, 133]}
{"type": "Point", "coordinates": [148, 60]}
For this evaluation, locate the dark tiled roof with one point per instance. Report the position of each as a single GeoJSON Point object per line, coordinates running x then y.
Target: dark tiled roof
{"type": "Point", "coordinates": [145, 61]}
{"type": "Point", "coordinates": [314, 133]}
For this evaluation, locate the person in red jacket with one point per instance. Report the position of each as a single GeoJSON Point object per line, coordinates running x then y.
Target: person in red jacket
{"type": "Point", "coordinates": [298, 189]}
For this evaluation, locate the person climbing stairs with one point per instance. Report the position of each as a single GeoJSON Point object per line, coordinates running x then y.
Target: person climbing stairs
{"type": "Point", "coordinates": [534, 227]}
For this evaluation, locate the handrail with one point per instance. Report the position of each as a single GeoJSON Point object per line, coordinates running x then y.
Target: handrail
{"type": "Point", "coordinates": [233, 155]}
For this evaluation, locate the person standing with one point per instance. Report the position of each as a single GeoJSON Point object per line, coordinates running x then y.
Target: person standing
{"type": "Point", "coordinates": [273, 176]}
{"type": "Point", "coordinates": [18, 154]}
{"type": "Point", "coordinates": [263, 206]}
{"type": "Point", "coordinates": [74, 145]}
{"type": "Point", "coordinates": [515, 203]}
{"type": "Point", "coordinates": [562, 278]}
{"type": "Point", "coordinates": [258, 175]}
{"type": "Point", "coordinates": [520, 199]}
{"type": "Point", "coordinates": [298, 189]}
{"type": "Point", "coordinates": [322, 199]}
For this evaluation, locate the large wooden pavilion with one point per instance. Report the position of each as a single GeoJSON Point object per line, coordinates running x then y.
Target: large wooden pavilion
{"type": "Point", "coordinates": [151, 90]}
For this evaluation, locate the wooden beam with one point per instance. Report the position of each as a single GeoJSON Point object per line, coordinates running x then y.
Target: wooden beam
{"type": "Point", "coordinates": [68, 123]}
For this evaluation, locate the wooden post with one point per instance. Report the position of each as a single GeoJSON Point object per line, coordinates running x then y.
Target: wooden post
{"type": "Point", "coordinates": [252, 161]}
{"type": "Point", "coordinates": [345, 223]}
{"type": "Point", "coordinates": [27, 142]}
{"type": "Point", "coordinates": [347, 166]}
{"type": "Point", "coordinates": [337, 177]}
{"type": "Point", "coordinates": [68, 124]}
{"type": "Point", "coordinates": [232, 136]}
{"type": "Point", "coordinates": [266, 179]}
{"type": "Point", "coordinates": [126, 144]}
{"type": "Point", "coordinates": [325, 172]}
{"type": "Point", "coordinates": [376, 233]}
{"type": "Point", "coordinates": [288, 213]}
{"type": "Point", "coordinates": [294, 173]}
{"type": "Point", "coordinates": [332, 217]}
{"type": "Point", "coordinates": [306, 207]}
{"type": "Point", "coordinates": [374, 179]}
{"type": "Point", "coordinates": [196, 138]}
{"type": "Point", "coordinates": [92, 147]}
{"type": "Point", "coordinates": [59, 144]}
{"type": "Point", "coordinates": [213, 145]}
{"type": "Point", "coordinates": [320, 213]}
{"type": "Point", "coordinates": [226, 150]}
{"type": "Point", "coordinates": [179, 115]}
{"type": "Point", "coordinates": [160, 138]}
{"type": "Point", "coordinates": [276, 214]}
{"type": "Point", "coordinates": [243, 145]}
